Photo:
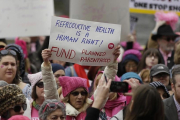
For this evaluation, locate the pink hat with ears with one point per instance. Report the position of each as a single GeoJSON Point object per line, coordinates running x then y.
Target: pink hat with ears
{"type": "Point", "coordinates": [72, 83]}
{"type": "Point", "coordinates": [34, 78]}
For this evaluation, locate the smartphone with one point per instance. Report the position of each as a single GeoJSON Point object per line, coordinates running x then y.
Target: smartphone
{"type": "Point", "coordinates": [120, 87]}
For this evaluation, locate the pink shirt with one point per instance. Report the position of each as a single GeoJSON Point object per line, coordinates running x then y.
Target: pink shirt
{"type": "Point", "coordinates": [34, 114]}
{"type": "Point", "coordinates": [165, 56]}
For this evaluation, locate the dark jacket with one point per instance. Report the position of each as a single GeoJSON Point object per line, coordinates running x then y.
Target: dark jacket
{"type": "Point", "coordinates": [170, 61]}
{"type": "Point", "coordinates": [92, 114]}
{"type": "Point", "coordinates": [170, 109]}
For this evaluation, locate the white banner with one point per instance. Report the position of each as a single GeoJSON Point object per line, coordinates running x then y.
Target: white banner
{"type": "Point", "coordinates": [25, 17]}
{"type": "Point", "coordinates": [107, 11]}
{"type": "Point", "coordinates": [164, 5]}
{"type": "Point", "coordinates": [83, 42]}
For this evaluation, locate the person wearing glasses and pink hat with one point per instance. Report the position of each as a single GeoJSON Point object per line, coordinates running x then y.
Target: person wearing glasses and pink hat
{"type": "Point", "coordinates": [12, 101]}
{"type": "Point", "coordinates": [37, 94]}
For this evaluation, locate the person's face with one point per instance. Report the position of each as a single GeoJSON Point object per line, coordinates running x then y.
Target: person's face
{"type": "Point", "coordinates": [166, 43]}
{"type": "Point", "coordinates": [176, 88]}
{"type": "Point", "coordinates": [56, 115]}
{"type": "Point", "coordinates": [40, 89]}
{"type": "Point", "coordinates": [151, 60]}
{"type": "Point", "coordinates": [131, 66]}
{"type": "Point", "coordinates": [58, 74]}
{"type": "Point", "coordinates": [162, 93]}
{"type": "Point", "coordinates": [12, 112]}
{"type": "Point", "coordinates": [8, 69]}
{"type": "Point", "coordinates": [162, 77]}
{"type": "Point", "coordinates": [77, 98]}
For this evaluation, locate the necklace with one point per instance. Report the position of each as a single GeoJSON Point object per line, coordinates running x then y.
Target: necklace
{"type": "Point", "coordinates": [36, 106]}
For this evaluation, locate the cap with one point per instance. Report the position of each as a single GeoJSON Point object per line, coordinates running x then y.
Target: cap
{"type": "Point", "coordinates": [159, 68]}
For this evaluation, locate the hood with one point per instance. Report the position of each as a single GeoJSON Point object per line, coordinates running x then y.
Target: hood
{"type": "Point", "coordinates": [19, 51]}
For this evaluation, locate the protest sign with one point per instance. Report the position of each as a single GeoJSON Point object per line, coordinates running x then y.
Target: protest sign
{"type": "Point", "coordinates": [151, 6]}
{"type": "Point", "coordinates": [107, 11]}
{"type": "Point", "coordinates": [25, 17]}
{"type": "Point", "coordinates": [83, 42]}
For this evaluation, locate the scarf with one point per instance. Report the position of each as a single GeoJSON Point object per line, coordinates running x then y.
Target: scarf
{"type": "Point", "coordinates": [115, 105]}
{"type": "Point", "coordinates": [81, 72]}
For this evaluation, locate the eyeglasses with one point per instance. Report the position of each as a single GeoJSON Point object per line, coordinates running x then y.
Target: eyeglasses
{"type": "Point", "coordinates": [40, 84]}
{"type": "Point", "coordinates": [17, 108]}
{"type": "Point", "coordinates": [53, 106]}
{"type": "Point", "coordinates": [83, 93]}
{"type": "Point", "coordinates": [169, 38]}
{"type": "Point", "coordinates": [5, 52]}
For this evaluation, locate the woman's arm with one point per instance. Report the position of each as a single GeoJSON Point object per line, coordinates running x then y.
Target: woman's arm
{"type": "Point", "coordinates": [111, 70]}
{"type": "Point", "coordinates": [50, 86]}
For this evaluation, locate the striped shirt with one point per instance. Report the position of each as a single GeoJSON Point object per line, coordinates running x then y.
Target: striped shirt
{"type": "Point", "coordinates": [177, 107]}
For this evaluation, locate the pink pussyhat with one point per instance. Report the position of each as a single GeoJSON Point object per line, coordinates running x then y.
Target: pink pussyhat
{"type": "Point", "coordinates": [72, 83]}
{"type": "Point", "coordinates": [34, 78]}
{"type": "Point", "coordinates": [19, 117]}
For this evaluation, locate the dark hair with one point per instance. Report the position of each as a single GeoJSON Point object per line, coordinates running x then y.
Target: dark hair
{"type": "Point", "coordinates": [147, 105]}
{"type": "Point", "coordinates": [175, 71]}
{"type": "Point", "coordinates": [33, 94]}
{"type": "Point", "coordinates": [16, 80]}
{"type": "Point", "coordinates": [150, 51]}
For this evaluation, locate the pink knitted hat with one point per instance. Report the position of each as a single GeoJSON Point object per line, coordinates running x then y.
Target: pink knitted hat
{"type": "Point", "coordinates": [34, 78]}
{"type": "Point", "coordinates": [71, 83]}
{"type": "Point", "coordinates": [23, 45]}
{"type": "Point", "coordinates": [19, 117]}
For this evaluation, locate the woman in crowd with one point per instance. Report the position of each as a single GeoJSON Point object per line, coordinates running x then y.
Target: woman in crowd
{"type": "Point", "coordinates": [146, 104]}
{"type": "Point", "coordinates": [150, 58]}
{"type": "Point", "coordinates": [129, 62]}
{"type": "Point", "coordinates": [52, 110]}
{"type": "Point", "coordinates": [162, 90]}
{"type": "Point", "coordinates": [13, 101]}
{"type": "Point", "coordinates": [58, 71]}
{"type": "Point", "coordinates": [115, 102]}
{"type": "Point", "coordinates": [37, 93]}
{"type": "Point", "coordinates": [10, 72]}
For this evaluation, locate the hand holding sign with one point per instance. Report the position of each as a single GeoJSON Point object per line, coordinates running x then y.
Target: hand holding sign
{"type": "Point", "coordinates": [46, 54]}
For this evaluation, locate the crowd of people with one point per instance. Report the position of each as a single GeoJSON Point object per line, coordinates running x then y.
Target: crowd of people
{"type": "Point", "coordinates": [32, 87]}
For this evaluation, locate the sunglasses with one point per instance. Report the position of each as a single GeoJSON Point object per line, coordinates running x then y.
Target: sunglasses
{"type": "Point", "coordinates": [17, 108]}
{"type": "Point", "coordinates": [40, 84]}
{"type": "Point", "coordinates": [6, 52]}
{"type": "Point", "coordinates": [83, 93]}
{"type": "Point", "coordinates": [169, 38]}
{"type": "Point", "coordinates": [53, 106]}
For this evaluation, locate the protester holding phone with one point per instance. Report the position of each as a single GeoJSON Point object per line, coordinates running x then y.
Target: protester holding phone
{"type": "Point", "coordinates": [37, 93]}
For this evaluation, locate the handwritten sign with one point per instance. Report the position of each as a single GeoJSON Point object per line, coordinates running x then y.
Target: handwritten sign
{"type": "Point", "coordinates": [83, 42]}
{"type": "Point", "coordinates": [107, 11]}
{"type": "Point", "coordinates": [25, 17]}
{"type": "Point", "coordinates": [151, 6]}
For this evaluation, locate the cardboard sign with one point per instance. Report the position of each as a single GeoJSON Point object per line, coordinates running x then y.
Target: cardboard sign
{"type": "Point", "coordinates": [107, 11]}
{"type": "Point", "coordinates": [25, 17]}
{"type": "Point", "coordinates": [83, 42]}
{"type": "Point", "coordinates": [151, 6]}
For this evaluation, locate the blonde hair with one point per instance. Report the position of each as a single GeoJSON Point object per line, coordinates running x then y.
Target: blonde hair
{"type": "Point", "coordinates": [145, 74]}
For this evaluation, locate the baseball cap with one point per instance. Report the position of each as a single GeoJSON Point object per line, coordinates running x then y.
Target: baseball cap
{"type": "Point", "coordinates": [159, 68]}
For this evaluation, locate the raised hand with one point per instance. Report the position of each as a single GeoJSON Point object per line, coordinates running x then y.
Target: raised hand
{"type": "Point", "coordinates": [116, 52]}
{"type": "Point", "coordinates": [46, 54]}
